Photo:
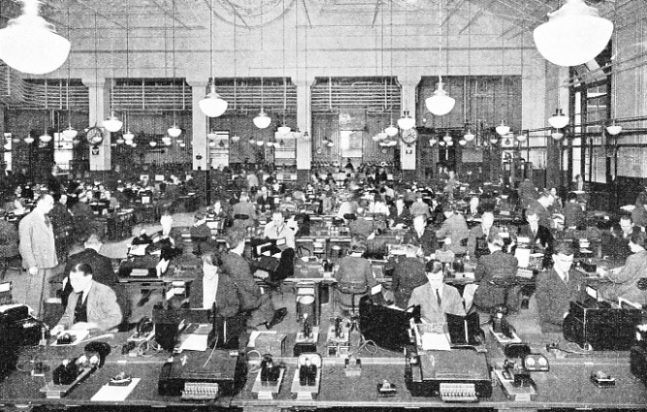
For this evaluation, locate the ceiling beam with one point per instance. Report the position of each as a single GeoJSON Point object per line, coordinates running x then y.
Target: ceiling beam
{"type": "Point", "coordinates": [166, 12]}
{"type": "Point", "coordinates": [378, 3]}
{"type": "Point", "coordinates": [235, 10]}
{"type": "Point", "coordinates": [305, 9]}
{"type": "Point", "coordinates": [95, 11]}
{"type": "Point", "coordinates": [454, 11]}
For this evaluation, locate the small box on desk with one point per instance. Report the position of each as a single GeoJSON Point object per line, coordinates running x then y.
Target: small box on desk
{"type": "Point", "coordinates": [268, 342]}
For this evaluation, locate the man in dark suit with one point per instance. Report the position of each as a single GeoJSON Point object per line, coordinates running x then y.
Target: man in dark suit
{"type": "Point", "coordinates": [539, 236]}
{"type": "Point", "coordinates": [409, 273]}
{"type": "Point", "coordinates": [556, 288]}
{"type": "Point", "coordinates": [264, 200]}
{"type": "Point", "coordinates": [422, 236]}
{"type": "Point", "coordinates": [102, 271]}
{"type": "Point", "coordinates": [616, 243]}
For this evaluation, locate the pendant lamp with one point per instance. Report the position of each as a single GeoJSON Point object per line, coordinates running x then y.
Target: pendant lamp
{"type": "Point", "coordinates": [391, 130]}
{"type": "Point", "coordinates": [614, 129]}
{"type": "Point", "coordinates": [558, 120]}
{"type": "Point", "coordinates": [469, 136]}
{"type": "Point", "coordinates": [440, 103]}
{"type": "Point", "coordinates": [112, 123]}
{"type": "Point", "coordinates": [212, 105]}
{"type": "Point", "coordinates": [262, 120]}
{"type": "Point", "coordinates": [406, 122]}
{"type": "Point", "coordinates": [30, 44]}
{"type": "Point", "coordinates": [502, 129]}
{"type": "Point", "coordinates": [174, 131]}
{"type": "Point", "coordinates": [574, 34]}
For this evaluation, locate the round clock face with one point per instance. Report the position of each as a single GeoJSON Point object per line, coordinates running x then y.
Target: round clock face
{"type": "Point", "coordinates": [409, 136]}
{"type": "Point", "coordinates": [94, 136]}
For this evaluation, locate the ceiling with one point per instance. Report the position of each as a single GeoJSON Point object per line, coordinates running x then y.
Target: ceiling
{"type": "Point", "coordinates": [191, 15]}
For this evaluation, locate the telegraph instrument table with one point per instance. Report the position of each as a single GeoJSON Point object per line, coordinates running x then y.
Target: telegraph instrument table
{"type": "Point", "coordinates": [566, 385]}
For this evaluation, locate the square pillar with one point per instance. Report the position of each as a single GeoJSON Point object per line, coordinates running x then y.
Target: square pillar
{"type": "Point", "coordinates": [408, 99]}
{"type": "Point", "coordinates": [99, 106]}
{"type": "Point", "coordinates": [200, 146]}
{"type": "Point", "coordinates": [304, 121]}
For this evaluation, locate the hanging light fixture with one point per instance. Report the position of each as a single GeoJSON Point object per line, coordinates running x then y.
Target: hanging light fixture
{"type": "Point", "coordinates": [447, 138]}
{"type": "Point", "coordinates": [112, 123]}
{"type": "Point", "coordinates": [30, 44]}
{"type": "Point", "coordinates": [469, 136]}
{"type": "Point", "coordinates": [557, 135]}
{"type": "Point", "coordinates": [440, 103]}
{"type": "Point", "coordinates": [128, 136]}
{"type": "Point", "coordinates": [391, 130]}
{"type": "Point", "coordinates": [152, 143]}
{"type": "Point", "coordinates": [252, 141]}
{"type": "Point", "coordinates": [284, 129]}
{"type": "Point", "coordinates": [558, 120]}
{"type": "Point", "coordinates": [406, 122]}
{"type": "Point", "coordinates": [432, 141]}
{"type": "Point", "coordinates": [262, 120]}
{"type": "Point", "coordinates": [70, 132]}
{"type": "Point", "coordinates": [45, 137]}
{"type": "Point", "coordinates": [502, 129]}
{"type": "Point", "coordinates": [29, 139]}
{"type": "Point", "coordinates": [462, 142]}
{"type": "Point", "coordinates": [167, 140]}
{"type": "Point", "coordinates": [494, 140]}
{"type": "Point", "coordinates": [174, 131]}
{"type": "Point", "coordinates": [120, 140]}
{"type": "Point", "coordinates": [376, 138]}
{"type": "Point", "coordinates": [235, 138]}
{"type": "Point", "coordinates": [212, 105]}
{"type": "Point", "coordinates": [575, 34]}
{"type": "Point", "coordinates": [614, 129]}
{"type": "Point", "coordinates": [260, 143]}
{"type": "Point", "coordinates": [522, 137]}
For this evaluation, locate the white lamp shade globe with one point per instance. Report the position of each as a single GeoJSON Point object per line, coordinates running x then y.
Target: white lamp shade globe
{"type": "Point", "coordinates": [391, 131]}
{"type": "Point", "coordinates": [152, 143]}
{"type": "Point", "coordinates": [462, 142]}
{"type": "Point", "coordinates": [376, 138]}
{"type": "Point", "coordinates": [29, 46]}
{"type": "Point", "coordinates": [70, 132]}
{"type": "Point", "coordinates": [29, 140]}
{"type": "Point", "coordinates": [557, 135]}
{"type": "Point", "coordinates": [235, 138]}
{"type": "Point", "coordinates": [382, 135]}
{"type": "Point", "coordinates": [502, 129]}
{"type": "Point", "coordinates": [129, 136]}
{"type": "Point", "coordinates": [112, 124]}
{"type": "Point", "coordinates": [440, 103]}
{"type": "Point", "coordinates": [120, 140]}
{"type": "Point", "coordinates": [212, 105]}
{"type": "Point", "coordinates": [432, 141]}
{"type": "Point", "coordinates": [133, 144]}
{"type": "Point", "coordinates": [614, 129]}
{"type": "Point", "coordinates": [284, 129]}
{"type": "Point", "coordinates": [558, 121]}
{"type": "Point", "coordinates": [182, 144]}
{"type": "Point", "coordinates": [252, 141]}
{"type": "Point", "coordinates": [575, 34]}
{"type": "Point", "coordinates": [297, 133]}
{"type": "Point", "coordinates": [447, 138]}
{"type": "Point", "coordinates": [469, 136]}
{"type": "Point", "coordinates": [493, 140]}
{"type": "Point", "coordinates": [260, 143]}
{"type": "Point", "coordinates": [406, 122]}
{"type": "Point", "coordinates": [167, 140]}
{"type": "Point", "coordinates": [174, 131]}
{"type": "Point", "coordinates": [262, 120]}
{"type": "Point", "coordinates": [521, 137]}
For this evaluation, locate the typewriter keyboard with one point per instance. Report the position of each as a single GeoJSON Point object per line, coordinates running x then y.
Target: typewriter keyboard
{"type": "Point", "coordinates": [458, 392]}
{"type": "Point", "coordinates": [200, 391]}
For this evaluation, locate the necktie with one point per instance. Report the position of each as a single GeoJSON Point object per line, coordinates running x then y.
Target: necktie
{"type": "Point", "coordinates": [438, 300]}
{"type": "Point", "coordinates": [566, 277]}
{"type": "Point", "coordinates": [80, 315]}
{"type": "Point", "coordinates": [47, 221]}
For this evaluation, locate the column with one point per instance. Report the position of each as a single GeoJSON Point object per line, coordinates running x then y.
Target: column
{"type": "Point", "coordinates": [304, 121]}
{"type": "Point", "coordinates": [408, 102]}
{"type": "Point", "coordinates": [200, 146]}
{"type": "Point", "coordinates": [99, 106]}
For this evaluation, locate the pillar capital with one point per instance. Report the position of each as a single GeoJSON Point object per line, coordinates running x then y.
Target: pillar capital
{"type": "Point", "coordinates": [410, 80]}
{"type": "Point", "coordinates": [94, 81]}
{"type": "Point", "coordinates": [196, 82]}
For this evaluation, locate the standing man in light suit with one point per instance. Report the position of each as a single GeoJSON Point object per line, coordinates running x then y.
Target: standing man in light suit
{"type": "Point", "coordinates": [38, 252]}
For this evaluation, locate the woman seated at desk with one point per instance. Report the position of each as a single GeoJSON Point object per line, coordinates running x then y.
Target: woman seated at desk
{"type": "Point", "coordinates": [624, 279]}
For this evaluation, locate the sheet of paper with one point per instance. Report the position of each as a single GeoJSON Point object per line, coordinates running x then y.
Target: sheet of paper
{"type": "Point", "coordinates": [435, 341]}
{"type": "Point", "coordinates": [196, 340]}
{"type": "Point", "coordinates": [523, 257]}
{"type": "Point", "coordinates": [109, 393]}
{"type": "Point", "coordinates": [137, 250]}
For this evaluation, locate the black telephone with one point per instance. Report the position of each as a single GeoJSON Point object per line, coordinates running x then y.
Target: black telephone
{"type": "Point", "coordinates": [65, 339]}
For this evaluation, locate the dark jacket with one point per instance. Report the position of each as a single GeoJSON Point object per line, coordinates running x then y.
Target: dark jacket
{"type": "Point", "coordinates": [409, 273]}
{"type": "Point", "coordinates": [496, 274]}
{"type": "Point", "coordinates": [554, 297]}
{"type": "Point", "coordinates": [427, 241]}
{"type": "Point", "coordinates": [573, 215]}
{"type": "Point", "coordinates": [240, 274]}
{"type": "Point", "coordinates": [227, 302]}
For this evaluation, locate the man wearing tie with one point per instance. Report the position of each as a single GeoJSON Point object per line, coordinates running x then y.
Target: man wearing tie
{"type": "Point", "coordinates": [38, 252]}
{"type": "Point", "coordinates": [437, 298]}
{"type": "Point", "coordinates": [477, 240]}
{"type": "Point", "coordinates": [539, 236]}
{"type": "Point", "coordinates": [91, 306]}
{"type": "Point", "coordinates": [422, 236]}
{"type": "Point", "coordinates": [278, 229]}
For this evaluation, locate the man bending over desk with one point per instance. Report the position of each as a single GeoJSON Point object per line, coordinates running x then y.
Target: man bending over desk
{"type": "Point", "coordinates": [91, 306]}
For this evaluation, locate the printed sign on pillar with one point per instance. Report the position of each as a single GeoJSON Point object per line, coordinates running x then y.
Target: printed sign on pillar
{"type": "Point", "coordinates": [95, 150]}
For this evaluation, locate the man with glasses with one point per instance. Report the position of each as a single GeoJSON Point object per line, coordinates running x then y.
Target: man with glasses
{"type": "Point", "coordinates": [556, 288]}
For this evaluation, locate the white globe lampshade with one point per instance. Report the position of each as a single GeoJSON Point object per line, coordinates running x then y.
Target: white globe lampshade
{"type": "Point", "coordinates": [440, 103]}
{"type": "Point", "coordinates": [462, 142]}
{"type": "Point", "coordinates": [502, 129]}
{"type": "Point", "coordinates": [558, 120]}
{"type": "Point", "coordinates": [283, 129]}
{"type": "Point", "coordinates": [382, 135]}
{"type": "Point", "coordinates": [70, 132]}
{"type": "Point", "coordinates": [432, 141]}
{"type": "Point", "coordinates": [30, 44]}
{"type": "Point", "coordinates": [212, 105]}
{"type": "Point", "coordinates": [469, 136]}
{"type": "Point", "coordinates": [297, 133]}
{"type": "Point", "coordinates": [376, 138]}
{"type": "Point", "coordinates": [182, 145]}
{"type": "Point", "coordinates": [120, 140]}
{"type": "Point", "coordinates": [29, 140]}
{"type": "Point", "coordinates": [447, 138]}
{"type": "Point", "coordinates": [391, 131]}
{"type": "Point", "coordinates": [574, 34]}
{"type": "Point", "coordinates": [406, 122]}
{"type": "Point", "coordinates": [260, 143]}
{"type": "Point", "coordinates": [614, 129]}
{"type": "Point", "coordinates": [493, 140]}
{"type": "Point", "coordinates": [450, 143]}
{"type": "Point", "coordinates": [112, 124]}
{"type": "Point", "coordinates": [441, 143]}
{"type": "Point", "coordinates": [557, 135]}
{"type": "Point", "coordinates": [152, 143]}
{"type": "Point", "coordinates": [521, 137]}
{"type": "Point", "coordinates": [174, 131]}
{"type": "Point", "coordinates": [133, 145]}
{"type": "Point", "coordinates": [167, 140]}
{"type": "Point", "coordinates": [212, 135]}
{"type": "Point", "coordinates": [45, 138]}
{"type": "Point", "coordinates": [262, 120]}
{"type": "Point", "coordinates": [129, 136]}
{"type": "Point", "coordinates": [235, 138]}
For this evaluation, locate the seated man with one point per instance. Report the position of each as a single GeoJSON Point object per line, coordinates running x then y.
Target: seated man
{"type": "Point", "coordinates": [539, 237]}
{"type": "Point", "coordinates": [556, 288]}
{"type": "Point", "coordinates": [264, 200]}
{"type": "Point", "coordinates": [201, 235]}
{"type": "Point", "coordinates": [244, 212]}
{"type": "Point", "coordinates": [91, 306]}
{"type": "Point", "coordinates": [477, 244]}
{"type": "Point", "coordinates": [541, 207]}
{"type": "Point", "coordinates": [616, 243]}
{"type": "Point", "coordinates": [573, 213]}
{"type": "Point", "coordinates": [495, 274]}
{"type": "Point", "coordinates": [455, 228]}
{"type": "Point", "coordinates": [279, 230]}
{"type": "Point", "coordinates": [168, 239]}
{"type": "Point", "coordinates": [422, 236]}
{"type": "Point", "coordinates": [409, 273]}
{"type": "Point", "coordinates": [625, 279]}
{"type": "Point", "coordinates": [436, 299]}
{"type": "Point", "coordinates": [259, 304]}
{"type": "Point", "coordinates": [102, 271]}
{"type": "Point", "coordinates": [354, 278]}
